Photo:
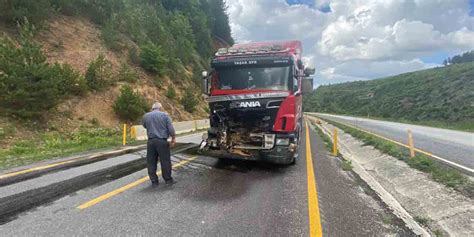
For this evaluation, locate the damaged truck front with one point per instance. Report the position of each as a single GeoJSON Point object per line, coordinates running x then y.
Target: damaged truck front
{"type": "Point", "coordinates": [255, 99]}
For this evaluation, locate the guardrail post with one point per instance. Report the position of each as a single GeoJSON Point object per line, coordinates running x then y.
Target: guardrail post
{"type": "Point", "coordinates": [124, 134]}
{"type": "Point", "coordinates": [195, 125]}
{"type": "Point", "coordinates": [411, 144]}
{"type": "Point", "coordinates": [334, 144]}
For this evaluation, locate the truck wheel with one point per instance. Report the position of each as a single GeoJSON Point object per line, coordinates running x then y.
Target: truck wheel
{"type": "Point", "coordinates": [293, 162]}
{"type": "Point", "coordinates": [293, 159]}
{"type": "Point", "coordinates": [298, 133]}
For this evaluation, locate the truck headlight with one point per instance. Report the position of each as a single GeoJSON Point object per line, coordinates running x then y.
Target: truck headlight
{"type": "Point", "coordinates": [282, 141]}
{"type": "Point", "coordinates": [269, 140]}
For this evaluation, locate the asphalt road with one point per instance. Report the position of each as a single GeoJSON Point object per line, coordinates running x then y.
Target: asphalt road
{"type": "Point", "coordinates": [455, 146]}
{"type": "Point", "coordinates": [220, 198]}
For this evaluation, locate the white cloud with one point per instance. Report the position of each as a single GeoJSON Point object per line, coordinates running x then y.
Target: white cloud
{"type": "Point", "coordinates": [464, 38]}
{"type": "Point", "coordinates": [359, 39]}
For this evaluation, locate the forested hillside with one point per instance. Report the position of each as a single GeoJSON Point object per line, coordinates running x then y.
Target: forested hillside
{"type": "Point", "coordinates": [440, 96]}
{"type": "Point", "coordinates": [70, 64]}
{"type": "Point", "coordinates": [55, 50]}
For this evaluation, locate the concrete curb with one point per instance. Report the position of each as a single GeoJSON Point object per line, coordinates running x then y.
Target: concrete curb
{"type": "Point", "coordinates": [14, 204]}
{"type": "Point", "coordinates": [22, 173]}
{"type": "Point", "coordinates": [383, 194]}
{"type": "Point", "coordinates": [17, 176]}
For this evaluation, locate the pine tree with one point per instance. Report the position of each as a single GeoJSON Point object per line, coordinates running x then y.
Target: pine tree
{"type": "Point", "coordinates": [130, 105]}
{"type": "Point", "coordinates": [29, 85]}
{"type": "Point", "coordinates": [220, 24]}
{"type": "Point", "coordinates": [189, 101]}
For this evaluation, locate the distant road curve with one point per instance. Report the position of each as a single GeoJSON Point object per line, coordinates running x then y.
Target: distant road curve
{"type": "Point", "coordinates": [455, 146]}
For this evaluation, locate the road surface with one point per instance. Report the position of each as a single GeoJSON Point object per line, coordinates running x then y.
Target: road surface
{"type": "Point", "coordinates": [455, 146]}
{"type": "Point", "coordinates": [221, 198]}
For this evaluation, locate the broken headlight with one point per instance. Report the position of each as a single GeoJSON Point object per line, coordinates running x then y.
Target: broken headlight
{"type": "Point", "coordinates": [282, 141]}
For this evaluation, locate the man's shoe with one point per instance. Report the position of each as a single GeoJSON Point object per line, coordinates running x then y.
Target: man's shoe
{"type": "Point", "coordinates": [170, 182]}
{"type": "Point", "coordinates": [154, 184]}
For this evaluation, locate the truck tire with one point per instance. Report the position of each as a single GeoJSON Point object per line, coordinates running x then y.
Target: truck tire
{"type": "Point", "coordinates": [293, 162]}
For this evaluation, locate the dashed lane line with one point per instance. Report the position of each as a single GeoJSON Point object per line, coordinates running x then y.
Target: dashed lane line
{"type": "Point", "coordinates": [126, 187]}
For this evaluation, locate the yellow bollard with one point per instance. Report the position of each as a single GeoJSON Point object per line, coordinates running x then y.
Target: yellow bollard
{"type": "Point", "coordinates": [133, 132]}
{"type": "Point", "coordinates": [334, 144]}
{"type": "Point", "coordinates": [124, 135]}
{"type": "Point", "coordinates": [411, 144]}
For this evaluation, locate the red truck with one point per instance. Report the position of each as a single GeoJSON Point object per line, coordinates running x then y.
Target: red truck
{"type": "Point", "coordinates": [255, 100]}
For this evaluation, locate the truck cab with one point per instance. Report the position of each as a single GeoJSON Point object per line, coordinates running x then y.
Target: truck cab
{"type": "Point", "coordinates": [255, 99]}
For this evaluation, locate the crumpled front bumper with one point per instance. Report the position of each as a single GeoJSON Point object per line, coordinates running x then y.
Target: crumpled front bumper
{"type": "Point", "coordinates": [277, 154]}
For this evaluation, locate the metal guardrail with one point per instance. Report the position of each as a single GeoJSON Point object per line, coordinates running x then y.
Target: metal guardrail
{"type": "Point", "coordinates": [138, 132]}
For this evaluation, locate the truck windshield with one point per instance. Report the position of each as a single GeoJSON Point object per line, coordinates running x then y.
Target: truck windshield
{"type": "Point", "coordinates": [268, 78]}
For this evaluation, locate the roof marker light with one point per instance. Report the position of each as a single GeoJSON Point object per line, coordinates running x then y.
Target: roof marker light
{"type": "Point", "coordinates": [277, 47]}
{"type": "Point", "coordinates": [221, 51]}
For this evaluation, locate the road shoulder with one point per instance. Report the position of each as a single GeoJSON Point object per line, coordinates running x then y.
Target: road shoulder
{"type": "Point", "coordinates": [347, 204]}
{"type": "Point", "coordinates": [436, 207]}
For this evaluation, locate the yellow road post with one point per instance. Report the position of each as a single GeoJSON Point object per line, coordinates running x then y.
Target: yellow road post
{"type": "Point", "coordinates": [133, 132]}
{"type": "Point", "coordinates": [334, 144]}
{"type": "Point", "coordinates": [124, 135]}
{"type": "Point", "coordinates": [411, 144]}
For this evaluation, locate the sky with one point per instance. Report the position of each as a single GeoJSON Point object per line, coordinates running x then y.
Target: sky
{"type": "Point", "coordinates": [348, 40]}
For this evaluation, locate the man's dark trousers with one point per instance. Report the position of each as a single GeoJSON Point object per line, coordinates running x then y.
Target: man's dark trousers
{"type": "Point", "coordinates": [158, 147]}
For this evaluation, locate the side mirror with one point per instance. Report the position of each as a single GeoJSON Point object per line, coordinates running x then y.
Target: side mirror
{"type": "Point", "coordinates": [300, 64]}
{"type": "Point", "coordinates": [205, 83]}
{"type": "Point", "coordinates": [307, 85]}
{"type": "Point", "coordinates": [309, 71]}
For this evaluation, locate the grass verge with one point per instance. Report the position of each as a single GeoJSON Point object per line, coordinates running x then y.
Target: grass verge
{"type": "Point", "coordinates": [326, 140]}
{"type": "Point", "coordinates": [346, 165]}
{"type": "Point", "coordinates": [54, 144]}
{"type": "Point", "coordinates": [438, 172]}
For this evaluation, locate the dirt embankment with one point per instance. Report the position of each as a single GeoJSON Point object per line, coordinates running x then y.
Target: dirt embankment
{"type": "Point", "coordinates": [77, 41]}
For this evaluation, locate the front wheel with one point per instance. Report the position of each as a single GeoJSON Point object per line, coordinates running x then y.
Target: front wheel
{"type": "Point", "coordinates": [293, 158]}
{"type": "Point", "coordinates": [293, 162]}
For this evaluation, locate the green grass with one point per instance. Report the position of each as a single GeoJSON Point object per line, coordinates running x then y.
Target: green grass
{"type": "Point", "coordinates": [440, 173]}
{"type": "Point", "coordinates": [387, 219]}
{"type": "Point", "coordinates": [326, 140]}
{"type": "Point", "coordinates": [438, 233]}
{"type": "Point", "coordinates": [438, 97]}
{"type": "Point", "coordinates": [54, 144]}
{"type": "Point", "coordinates": [346, 165]}
{"type": "Point", "coordinates": [422, 220]}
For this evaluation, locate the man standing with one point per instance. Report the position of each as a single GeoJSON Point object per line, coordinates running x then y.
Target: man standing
{"type": "Point", "coordinates": [159, 128]}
